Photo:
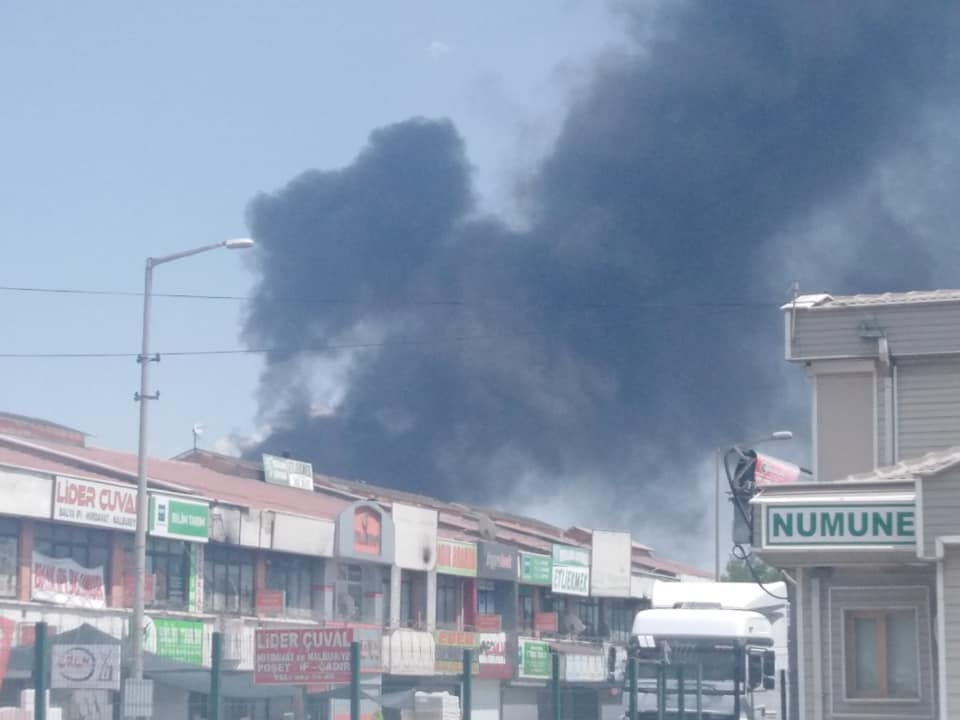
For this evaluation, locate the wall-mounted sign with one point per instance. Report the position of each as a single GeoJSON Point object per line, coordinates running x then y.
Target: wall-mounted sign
{"type": "Point", "coordinates": [496, 561]}
{"type": "Point", "coordinates": [571, 570]}
{"type": "Point", "coordinates": [856, 524]}
{"type": "Point", "coordinates": [494, 656]}
{"type": "Point", "coordinates": [533, 660]}
{"type": "Point", "coordinates": [450, 645]}
{"type": "Point", "coordinates": [175, 517]}
{"type": "Point", "coordinates": [284, 471]}
{"type": "Point", "coordinates": [488, 622]}
{"type": "Point", "coordinates": [269, 602]}
{"type": "Point", "coordinates": [456, 558]}
{"type": "Point", "coordinates": [175, 639]}
{"type": "Point", "coordinates": [415, 537]}
{"type": "Point", "coordinates": [536, 569]}
{"type": "Point", "coordinates": [546, 622]}
{"type": "Point", "coordinates": [610, 564]}
{"type": "Point", "coordinates": [85, 667]}
{"type": "Point", "coordinates": [365, 532]}
{"type": "Point", "coordinates": [773, 471]}
{"type": "Point", "coordinates": [409, 652]}
{"type": "Point", "coordinates": [299, 656]}
{"type": "Point", "coordinates": [89, 502]}
{"type": "Point", "coordinates": [584, 668]}
{"type": "Point", "coordinates": [65, 582]}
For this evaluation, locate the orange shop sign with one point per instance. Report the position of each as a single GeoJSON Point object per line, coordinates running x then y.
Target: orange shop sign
{"type": "Point", "coordinates": [456, 558]}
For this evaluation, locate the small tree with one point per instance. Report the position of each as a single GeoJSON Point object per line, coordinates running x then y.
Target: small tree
{"type": "Point", "coordinates": [737, 571]}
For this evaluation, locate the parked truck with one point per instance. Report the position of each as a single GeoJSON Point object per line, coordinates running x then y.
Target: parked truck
{"type": "Point", "coordinates": [712, 648]}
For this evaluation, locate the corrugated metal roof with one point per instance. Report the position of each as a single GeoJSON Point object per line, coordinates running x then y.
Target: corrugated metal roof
{"type": "Point", "coordinates": [230, 489]}
{"type": "Point", "coordinates": [913, 297]}
{"type": "Point", "coordinates": [924, 466]}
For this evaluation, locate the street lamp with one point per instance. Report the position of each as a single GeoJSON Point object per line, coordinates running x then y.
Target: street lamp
{"type": "Point", "coordinates": [778, 435]}
{"type": "Point", "coordinates": [140, 539]}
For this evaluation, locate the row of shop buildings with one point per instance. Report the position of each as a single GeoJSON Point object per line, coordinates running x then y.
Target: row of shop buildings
{"type": "Point", "coordinates": [235, 546]}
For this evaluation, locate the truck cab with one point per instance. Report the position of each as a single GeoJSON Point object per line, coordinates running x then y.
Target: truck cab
{"type": "Point", "coordinates": [705, 659]}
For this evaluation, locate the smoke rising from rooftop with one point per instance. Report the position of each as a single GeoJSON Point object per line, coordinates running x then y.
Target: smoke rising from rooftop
{"type": "Point", "coordinates": [633, 324]}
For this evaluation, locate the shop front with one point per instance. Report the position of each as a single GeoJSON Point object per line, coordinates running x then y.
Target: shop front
{"type": "Point", "coordinates": [872, 590]}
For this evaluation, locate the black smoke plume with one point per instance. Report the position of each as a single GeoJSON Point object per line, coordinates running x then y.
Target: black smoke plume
{"type": "Point", "coordinates": [593, 359]}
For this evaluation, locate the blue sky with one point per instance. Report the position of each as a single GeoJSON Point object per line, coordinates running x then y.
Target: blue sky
{"type": "Point", "coordinates": [133, 129]}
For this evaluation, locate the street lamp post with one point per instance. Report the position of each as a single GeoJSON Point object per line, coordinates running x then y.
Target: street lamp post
{"type": "Point", "coordinates": [778, 435]}
{"type": "Point", "coordinates": [140, 539]}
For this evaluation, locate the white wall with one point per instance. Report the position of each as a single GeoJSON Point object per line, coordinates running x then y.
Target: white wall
{"type": "Point", "coordinates": [486, 699]}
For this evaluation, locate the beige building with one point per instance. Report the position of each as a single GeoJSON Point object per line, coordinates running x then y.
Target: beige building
{"type": "Point", "coordinates": [874, 544]}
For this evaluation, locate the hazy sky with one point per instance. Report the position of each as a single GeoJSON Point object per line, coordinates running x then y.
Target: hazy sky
{"type": "Point", "coordinates": [131, 130]}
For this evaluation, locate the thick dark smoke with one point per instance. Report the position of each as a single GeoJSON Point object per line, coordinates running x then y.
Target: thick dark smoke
{"type": "Point", "coordinates": [599, 354]}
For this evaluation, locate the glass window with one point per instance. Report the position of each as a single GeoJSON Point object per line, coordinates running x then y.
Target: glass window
{"type": "Point", "coordinates": [349, 592]}
{"type": "Point", "coordinates": [293, 576]}
{"type": "Point", "coordinates": [228, 579]}
{"type": "Point", "coordinates": [413, 598]}
{"type": "Point", "coordinates": [881, 654]}
{"type": "Point", "coordinates": [169, 563]}
{"type": "Point", "coordinates": [9, 555]}
{"type": "Point", "coordinates": [526, 607]}
{"type": "Point", "coordinates": [449, 593]}
{"type": "Point", "coordinates": [588, 610]}
{"type": "Point", "coordinates": [486, 597]}
{"type": "Point", "coordinates": [618, 616]}
{"type": "Point", "coordinates": [88, 547]}
{"type": "Point", "coordinates": [385, 585]}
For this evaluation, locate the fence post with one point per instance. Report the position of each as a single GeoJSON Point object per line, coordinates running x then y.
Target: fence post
{"type": "Point", "coordinates": [783, 695]}
{"type": "Point", "coordinates": [699, 691]}
{"type": "Point", "coordinates": [40, 672]}
{"type": "Point", "coordinates": [467, 683]}
{"type": "Point", "coordinates": [555, 684]}
{"type": "Point", "coordinates": [216, 660]}
{"type": "Point", "coordinates": [632, 669]}
{"type": "Point", "coordinates": [662, 690]}
{"type": "Point", "coordinates": [355, 680]}
{"type": "Point", "coordinates": [681, 699]}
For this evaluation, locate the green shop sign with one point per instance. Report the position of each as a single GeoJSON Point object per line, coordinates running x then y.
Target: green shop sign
{"type": "Point", "coordinates": [534, 661]}
{"type": "Point", "coordinates": [535, 569]}
{"type": "Point", "coordinates": [179, 640]}
{"type": "Point", "coordinates": [863, 524]}
{"type": "Point", "coordinates": [175, 517]}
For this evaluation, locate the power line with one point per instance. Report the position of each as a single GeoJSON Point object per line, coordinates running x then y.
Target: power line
{"type": "Point", "coordinates": [710, 304]}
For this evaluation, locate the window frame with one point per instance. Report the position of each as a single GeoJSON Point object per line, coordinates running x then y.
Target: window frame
{"type": "Point", "coordinates": [301, 567]}
{"type": "Point", "coordinates": [848, 638]}
{"type": "Point", "coordinates": [11, 529]}
{"type": "Point", "coordinates": [231, 561]}
{"type": "Point", "coordinates": [80, 539]}
{"type": "Point", "coordinates": [164, 549]}
{"type": "Point", "coordinates": [449, 595]}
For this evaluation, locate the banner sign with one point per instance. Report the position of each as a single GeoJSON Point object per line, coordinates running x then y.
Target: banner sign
{"type": "Point", "coordinates": [493, 656]}
{"type": "Point", "coordinates": [584, 668]}
{"type": "Point", "coordinates": [302, 656]}
{"type": "Point", "coordinates": [450, 645]}
{"type": "Point", "coordinates": [497, 561]}
{"type": "Point", "coordinates": [88, 502]}
{"type": "Point", "coordinates": [571, 570]}
{"type": "Point", "coordinates": [536, 569]}
{"type": "Point", "coordinates": [546, 622]}
{"type": "Point", "coordinates": [175, 639]}
{"type": "Point", "coordinates": [860, 524]}
{"type": "Point", "coordinates": [456, 558]}
{"type": "Point", "coordinates": [85, 667]}
{"type": "Point", "coordinates": [65, 582]}
{"type": "Point", "coordinates": [284, 471]}
{"type": "Point", "coordinates": [533, 660]}
{"type": "Point", "coordinates": [409, 652]}
{"type": "Point", "coordinates": [772, 471]}
{"type": "Point", "coordinates": [174, 517]}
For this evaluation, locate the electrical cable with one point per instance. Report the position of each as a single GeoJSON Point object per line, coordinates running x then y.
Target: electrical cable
{"type": "Point", "coordinates": [738, 551]}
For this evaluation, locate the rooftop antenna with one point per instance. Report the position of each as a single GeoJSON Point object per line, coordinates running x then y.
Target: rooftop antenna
{"type": "Point", "coordinates": [197, 432]}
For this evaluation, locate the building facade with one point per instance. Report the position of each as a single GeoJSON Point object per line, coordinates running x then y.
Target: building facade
{"type": "Point", "coordinates": [872, 543]}
{"type": "Point", "coordinates": [235, 546]}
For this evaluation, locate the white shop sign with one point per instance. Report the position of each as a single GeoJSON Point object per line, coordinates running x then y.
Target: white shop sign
{"type": "Point", "coordinates": [584, 668]}
{"type": "Point", "coordinates": [85, 667]}
{"type": "Point", "coordinates": [849, 525]}
{"type": "Point", "coordinates": [90, 502]}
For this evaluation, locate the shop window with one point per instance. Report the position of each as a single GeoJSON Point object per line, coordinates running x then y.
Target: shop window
{"type": "Point", "coordinates": [88, 547]}
{"type": "Point", "coordinates": [169, 563]}
{"type": "Point", "coordinates": [486, 597]}
{"type": "Point", "coordinates": [588, 610]}
{"type": "Point", "coordinates": [413, 598]}
{"type": "Point", "coordinates": [293, 575]}
{"type": "Point", "coordinates": [881, 654]}
{"type": "Point", "coordinates": [9, 553]}
{"type": "Point", "coordinates": [449, 601]}
{"type": "Point", "coordinates": [228, 579]}
{"type": "Point", "coordinates": [618, 616]}
{"type": "Point", "coordinates": [526, 607]}
{"type": "Point", "coordinates": [385, 589]}
{"type": "Point", "coordinates": [349, 592]}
